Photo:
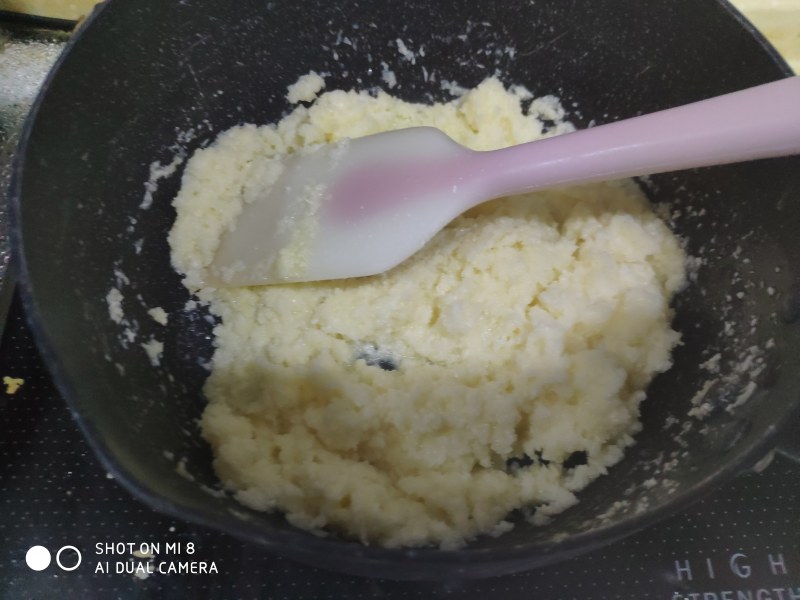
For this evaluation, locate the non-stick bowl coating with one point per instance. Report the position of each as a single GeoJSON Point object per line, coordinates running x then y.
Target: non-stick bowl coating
{"type": "Point", "coordinates": [147, 80]}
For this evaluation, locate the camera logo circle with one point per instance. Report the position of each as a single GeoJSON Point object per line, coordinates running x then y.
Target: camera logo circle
{"type": "Point", "coordinates": [38, 558]}
{"type": "Point", "coordinates": [77, 561]}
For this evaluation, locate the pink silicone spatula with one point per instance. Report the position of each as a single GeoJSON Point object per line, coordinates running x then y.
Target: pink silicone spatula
{"type": "Point", "coordinates": [362, 206]}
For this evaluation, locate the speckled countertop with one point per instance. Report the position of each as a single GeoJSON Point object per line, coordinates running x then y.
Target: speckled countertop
{"type": "Point", "coordinates": [25, 59]}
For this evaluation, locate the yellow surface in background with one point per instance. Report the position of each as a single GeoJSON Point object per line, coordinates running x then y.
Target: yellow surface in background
{"type": "Point", "coordinates": [778, 20]}
{"type": "Point", "coordinates": [71, 10]}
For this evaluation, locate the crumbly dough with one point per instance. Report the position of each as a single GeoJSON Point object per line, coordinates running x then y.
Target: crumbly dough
{"type": "Point", "coordinates": [422, 406]}
{"type": "Point", "coordinates": [305, 89]}
{"type": "Point", "coordinates": [12, 384]}
{"type": "Point", "coordinates": [159, 315]}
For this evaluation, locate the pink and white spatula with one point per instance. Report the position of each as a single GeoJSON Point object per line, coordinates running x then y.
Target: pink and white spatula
{"type": "Point", "coordinates": [362, 206]}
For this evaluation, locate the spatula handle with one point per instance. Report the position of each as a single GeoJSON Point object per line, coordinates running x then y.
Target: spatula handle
{"type": "Point", "coordinates": [758, 122]}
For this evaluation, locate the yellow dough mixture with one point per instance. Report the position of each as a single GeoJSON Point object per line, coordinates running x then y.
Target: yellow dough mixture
{"type": "Point", "coordinates": [500, 368]}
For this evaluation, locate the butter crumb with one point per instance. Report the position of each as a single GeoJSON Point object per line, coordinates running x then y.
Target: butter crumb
{"type": "Point", "coordinates": [305, 89]}
{"type": "Point", "coordinates": [12, 384]}
{"type": "Point", "coordinates": [114, 300]}
{"type": "Point", "coordinates": [154, 349]}
{"type": "Point", "coordinates": [159, 315]}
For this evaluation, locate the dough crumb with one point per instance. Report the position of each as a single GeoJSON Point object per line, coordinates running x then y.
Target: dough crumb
{"type": "Point", "coordinates": [159, 315]}
{"type": "Point", "coordinates": [114, 301]}
{"type": "Point", "coordinates": [157, 173]}
{"type": "Point", "coordinates": [180, 469]}
{"type": "Point", "coordinates": [306, 88]}
{"type": "Point", "coordinates": [154, 350]}
{"type": "Point", "coordinates": [12, 384]}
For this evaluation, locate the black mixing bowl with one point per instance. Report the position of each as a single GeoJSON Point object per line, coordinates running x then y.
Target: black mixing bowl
{"type": "Point", "coordinates": [145, 79]}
